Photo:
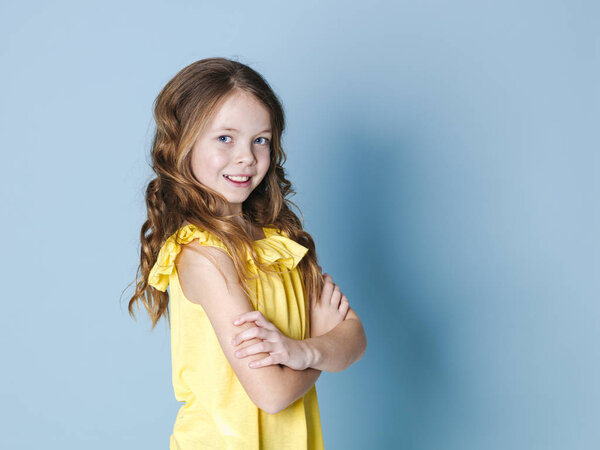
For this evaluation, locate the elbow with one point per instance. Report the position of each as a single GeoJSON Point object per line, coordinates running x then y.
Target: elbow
{"type": "Point", "coordinates": [363, 346]}
{"type": "Point", "coordinates": [269, 407]}
{"type": "Point", "coordinates": [273, 409]}
{"type": "Point", "coordinates": [273, 406]}
{"type": "Point", "coordinates": [267, 403]}
{"type": "Point", "coordinates": [365, 343]}
{"type": "Point", "coordinates": [276, 402]}
{"type": "Point", "coordinates": [270, 394]}
{"type": "Point", "coordinates": [363, 352]}
{"type": "Point", "coordinates": [272, 401]}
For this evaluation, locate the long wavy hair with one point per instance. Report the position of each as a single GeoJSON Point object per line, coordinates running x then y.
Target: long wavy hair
{"type": "Point", "coordinates": [182, 111]}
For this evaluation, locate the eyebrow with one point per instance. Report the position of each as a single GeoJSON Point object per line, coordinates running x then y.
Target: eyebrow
{"type": "Point", "coordinates": [268, 130]}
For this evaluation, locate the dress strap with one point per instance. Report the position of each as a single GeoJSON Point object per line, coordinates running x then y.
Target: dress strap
{"type": "Point", "coordinates": [165, 261]}
{"type": "Point", "coordinates": [276, 247]}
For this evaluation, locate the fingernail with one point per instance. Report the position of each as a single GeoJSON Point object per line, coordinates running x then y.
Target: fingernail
{"type": "Point", "coordinates": [236, 321]}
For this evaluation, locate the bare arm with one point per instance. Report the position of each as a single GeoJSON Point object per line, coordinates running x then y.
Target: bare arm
{"type": "Point", "coordinates": [341, 347]}
{"type": "Point", "coordinates": [271, 388]}
{"type": "Point", "coordinates": [296, 384]}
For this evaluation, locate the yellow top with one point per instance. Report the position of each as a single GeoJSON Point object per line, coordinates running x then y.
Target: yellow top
{"type": "Point", "coordinates": [218, 414]}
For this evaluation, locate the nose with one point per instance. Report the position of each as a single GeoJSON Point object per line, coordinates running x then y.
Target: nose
{"type": "Point", "coordinates": [245, 154]}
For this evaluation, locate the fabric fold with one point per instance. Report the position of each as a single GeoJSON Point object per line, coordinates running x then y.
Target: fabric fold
{"type": "Point", "coordinates": [276, 247]}
{"type": "Point", "coordinates": [281, 249]}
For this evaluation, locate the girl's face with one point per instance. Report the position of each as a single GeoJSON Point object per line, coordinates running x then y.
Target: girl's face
{"type": "Point", "coordinates": [237, 143]}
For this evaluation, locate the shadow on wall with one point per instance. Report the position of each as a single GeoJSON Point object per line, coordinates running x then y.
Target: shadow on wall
{"type": "Point", "coordinates": [376, 202]}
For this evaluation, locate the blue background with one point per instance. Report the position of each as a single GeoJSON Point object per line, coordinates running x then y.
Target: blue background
{"type": "Point", "coordinates": [445, 156]}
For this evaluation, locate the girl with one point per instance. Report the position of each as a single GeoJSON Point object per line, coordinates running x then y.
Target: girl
{"type": "Point", "coordinates": [247, 348]}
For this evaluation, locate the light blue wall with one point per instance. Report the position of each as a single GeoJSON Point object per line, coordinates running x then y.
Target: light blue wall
{"type": "Point", "coordinates": [445, 156]}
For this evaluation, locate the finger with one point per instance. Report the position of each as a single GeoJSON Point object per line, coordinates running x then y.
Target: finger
{"type": "Point", "coordinates": [336, 296]}
{"type": "Point", "coordinates": [262, 321]}
{"type": "Point", "coordinates": [313, 301]}
{"type": "Point", "coordinates": [249, 316]}
{"type": "Point", "coordinates": [344, 306]}
{"type": "Point", "coordinates": [268, 361]}
{"type": "Point", "coordinates": [327, 290]}
{"type": "Point", "coordinates": [344, 300]}
{"type": "Point", "coordinates": [260, 347]}
{"type": "Point", "coordinates": [256, 317]}
{"type": "Point", "coordinates": [250, 333]}
{"type": "Point", "coordinates": [272, 336]}
{"type": "Point", "coordinates": [255, 332]}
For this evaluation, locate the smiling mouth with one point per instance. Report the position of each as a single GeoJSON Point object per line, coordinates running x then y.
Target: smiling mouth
{"type": "Point", "coordinates": [237, 179]}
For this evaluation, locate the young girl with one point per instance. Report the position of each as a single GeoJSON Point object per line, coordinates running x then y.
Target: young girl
{"type": "Point", "coordinates": [247, 347]}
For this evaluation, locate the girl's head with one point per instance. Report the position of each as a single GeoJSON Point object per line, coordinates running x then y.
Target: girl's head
{"type": "Point", "coordinates": [218, 118]}
{"type": "Point", "coordinates": [232, 154]}
{"type": "Point", "coordinates": [192, 150]}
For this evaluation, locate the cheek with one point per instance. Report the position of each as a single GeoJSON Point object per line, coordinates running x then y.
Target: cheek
{"type": "Point", "coordinates": [265, 160]}
{"type": "Point", "coordinates": [208, 166]}
{"type": "Point", "coordinates": [263, 169]}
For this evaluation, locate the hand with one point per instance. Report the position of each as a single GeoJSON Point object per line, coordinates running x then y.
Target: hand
{"type": "Point", "coordinates": [329, 310]}
{"type": "Point", "coordinates": [281, 348]}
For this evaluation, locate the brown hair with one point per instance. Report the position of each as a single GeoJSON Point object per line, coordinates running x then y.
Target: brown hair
{"type": "Point", "coordinates": [182, 110]}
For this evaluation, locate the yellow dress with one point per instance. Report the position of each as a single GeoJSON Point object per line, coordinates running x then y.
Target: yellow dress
{"type": "Point", "coordinates": [217, 412]}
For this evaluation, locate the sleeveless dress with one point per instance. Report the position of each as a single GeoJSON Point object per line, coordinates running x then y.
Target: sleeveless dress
{"type": "Point", "coordinates": [217, 412]}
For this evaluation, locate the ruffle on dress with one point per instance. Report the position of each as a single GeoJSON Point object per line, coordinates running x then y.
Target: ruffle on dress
{"type": "Point", "coordinates": [276, 247]}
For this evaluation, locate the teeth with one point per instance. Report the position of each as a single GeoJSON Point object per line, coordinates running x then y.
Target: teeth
{"type": "Point", "coordinates": [237, 178]}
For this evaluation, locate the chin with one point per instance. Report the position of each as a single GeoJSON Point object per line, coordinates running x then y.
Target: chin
{"type": "Point", "coordinates": [237, 199]}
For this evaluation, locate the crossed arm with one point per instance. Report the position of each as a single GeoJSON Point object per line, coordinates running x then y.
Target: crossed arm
{"type": "Point", "coordinates": [340, 348]}
{"type": "Point", "coordinates": [273, 387]}
{"type": "Point", "coordinates": [332, 352]}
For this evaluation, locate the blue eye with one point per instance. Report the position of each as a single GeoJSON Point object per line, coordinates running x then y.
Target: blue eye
{"type": "Point", "coordinates": [219, 138]}
{"type": "Point", "coordinates": [266, 140]}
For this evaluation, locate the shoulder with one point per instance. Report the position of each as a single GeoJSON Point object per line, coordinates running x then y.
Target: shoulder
{"type": "Point", "coordinates": [198, 254]}
{"type": "Point", "coordinates": [187, 236]}
{"type": "Point", "coordinates": [200, 249]}
{"type": "Point", "coordinates": [203, 269]}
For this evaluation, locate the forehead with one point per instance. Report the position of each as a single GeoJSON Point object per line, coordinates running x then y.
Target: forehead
{"type": "Point", "coordinates": [241, 111]}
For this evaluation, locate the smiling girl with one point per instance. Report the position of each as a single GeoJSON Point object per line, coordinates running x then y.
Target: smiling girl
{"type": "Point", "coordinates": [253, 320]}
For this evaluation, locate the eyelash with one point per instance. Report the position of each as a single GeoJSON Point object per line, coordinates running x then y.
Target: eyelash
{"type": "Point", "coordinates": [266, 139]}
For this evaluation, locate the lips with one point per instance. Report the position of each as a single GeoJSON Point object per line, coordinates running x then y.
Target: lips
{"type": "Point", "coordinates": [238, 178]}
{"type": "Point", "coordinates": [236, 183]}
